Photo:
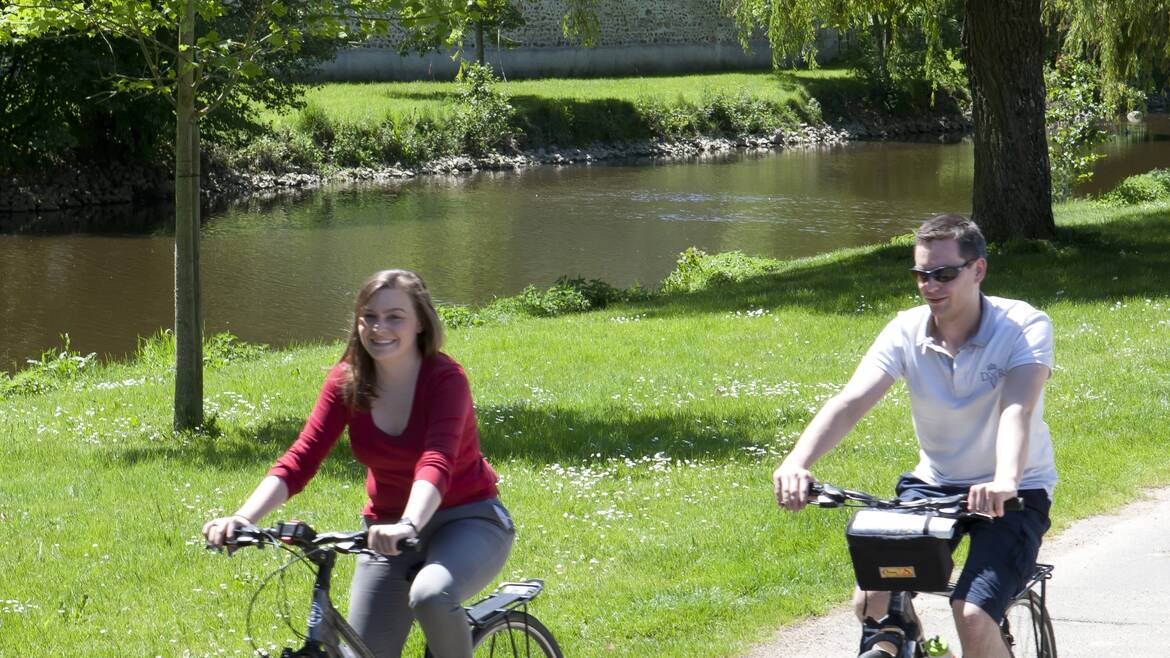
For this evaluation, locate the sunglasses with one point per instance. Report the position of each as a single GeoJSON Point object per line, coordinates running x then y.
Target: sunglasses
{"type": "Point", "coordinates": [944, 274]}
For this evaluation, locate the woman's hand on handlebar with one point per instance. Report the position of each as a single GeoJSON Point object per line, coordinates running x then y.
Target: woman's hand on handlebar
{"type": "Point", "coordinates": [218, 531]}
{"type": "Point", "coordinates": [383, 538]}
{"type": "Point", "coordinates": [791, 484]}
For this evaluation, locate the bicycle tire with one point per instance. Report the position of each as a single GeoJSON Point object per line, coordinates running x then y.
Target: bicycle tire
{"type": "Point", "coordinates": [515, 635]}
{"type": "Point", "coordinates": [1027, 628]}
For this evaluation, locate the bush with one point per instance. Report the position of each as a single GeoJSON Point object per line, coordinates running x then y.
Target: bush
{"type": "Point", "coordinates": [695, 270]}
{"type": "Point", "coordinates": [422, 138]}
{"type": "Point", "coordinates": [284, 151]}
{"type": "Point", "coordinates": [1151, 186]}
{"type": "Point", "coordinates": [315, 122]}
{"type": "Point", "coordinates": [669, 120]}
{"type": "Point", "coordinates": [723, 114]}
{"type": "Point", "coordinates": [1075, 115]}
{"type": "Point", "coordinates": [356, 145]}
{"type": "Point", "coordinates": [158, 351]}
{"type": "Point", "coordinates": [483, 121]}
{"type": "Point", "coordinates": [224, 348]}
{"type": "Point", "coordinates": [557, 300]}
{"type": "Point", "coordinates": [53, 368]}
{"type": "Point", "coordinates": [455, 316]}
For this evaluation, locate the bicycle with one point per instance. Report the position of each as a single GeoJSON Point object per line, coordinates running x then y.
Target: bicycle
{"type": "Point", "coordinates": [501, 624]}
{"type": "Point", "coordinates": [912, 552]}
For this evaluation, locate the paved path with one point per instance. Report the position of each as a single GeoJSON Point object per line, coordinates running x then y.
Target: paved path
{"type": "Point", "coordinates": [1109, 595]}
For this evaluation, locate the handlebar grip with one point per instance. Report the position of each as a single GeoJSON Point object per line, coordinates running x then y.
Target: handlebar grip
{"type": "Point", "coordinates": [1014, 504]}
{"type": "Point", "coordinates": [410, 544]}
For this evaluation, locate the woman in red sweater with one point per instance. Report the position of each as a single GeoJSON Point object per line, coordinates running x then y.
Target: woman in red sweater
{"type": "Point", "coordinates": [411, 423]}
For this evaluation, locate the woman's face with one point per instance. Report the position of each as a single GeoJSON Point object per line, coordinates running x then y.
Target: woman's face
{"type": "Point", "coordinates": [388, 326]}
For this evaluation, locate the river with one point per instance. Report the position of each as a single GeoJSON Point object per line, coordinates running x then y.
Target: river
{"type": "Point", "coordinates": [284, 271]}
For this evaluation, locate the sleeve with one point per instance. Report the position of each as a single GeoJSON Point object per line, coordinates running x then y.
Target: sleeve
{"type": "Point", "coordinates": [299, 464]}
{"type": "Point", "coordinates": [886, 352]}
{"type": "Point", "coordinates": [448, 411]}
{"type": "Point", "coordinates": [1035, 342]}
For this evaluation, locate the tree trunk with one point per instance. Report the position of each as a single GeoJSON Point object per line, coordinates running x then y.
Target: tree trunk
{"type": "Point", "coordinates": [188, 320]}
{"type": "Point", "coordinates": [881, 45]}
{"type": "Point", "coordinates": [1004, 48]}
{"type": "Point", "coordinates": [479, 49]}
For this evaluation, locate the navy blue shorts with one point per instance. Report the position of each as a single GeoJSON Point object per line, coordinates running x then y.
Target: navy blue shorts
{"type": "Point", "coordinates": [1002, 554]}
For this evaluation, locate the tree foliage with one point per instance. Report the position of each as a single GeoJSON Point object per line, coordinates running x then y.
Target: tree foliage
{"type": "Point", "coordinates": [1129, 40]}
{"type": "Point", "coordinates": [57, 101]}
{"type": "Point", "coordinates": [431, 25]}
{"type": "Point", "coordinates": [1076, 114]}
{"type": "Point", "coordinates": [242, 45]}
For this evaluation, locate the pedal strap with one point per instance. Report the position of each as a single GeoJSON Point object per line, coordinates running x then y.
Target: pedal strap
{"type": "Point", "coordinates": [872, 633]}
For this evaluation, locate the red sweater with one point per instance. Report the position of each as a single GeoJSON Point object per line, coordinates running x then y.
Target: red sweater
{"type": "Point", "coordinates": [440, 443]}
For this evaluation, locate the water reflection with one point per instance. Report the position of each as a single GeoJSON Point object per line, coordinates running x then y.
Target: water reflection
{"type": "Point", "coordinates": [1134, 148]}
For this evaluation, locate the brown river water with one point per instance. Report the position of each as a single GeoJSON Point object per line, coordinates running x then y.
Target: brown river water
{"type": "Point", "coordinates": [284, 271]}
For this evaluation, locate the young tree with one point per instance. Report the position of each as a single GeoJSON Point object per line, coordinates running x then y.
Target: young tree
{"type": "Point", "coordinates": [196, 52]}
{"type": "Point", "coordinates": [429, 28]}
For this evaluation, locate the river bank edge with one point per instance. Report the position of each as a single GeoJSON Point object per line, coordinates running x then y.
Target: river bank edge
{"type": "Point", "coordinates": [66, 198]}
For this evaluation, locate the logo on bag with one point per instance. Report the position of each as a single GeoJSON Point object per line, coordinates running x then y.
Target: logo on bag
{"type": "Point", "coordinates": [896, 572]}
{"type": "Point", "coordinates": [992, 375]}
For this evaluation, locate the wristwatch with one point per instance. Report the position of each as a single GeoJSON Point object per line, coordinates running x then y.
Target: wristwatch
{"type": "Point", "coordinates": [406, 521]}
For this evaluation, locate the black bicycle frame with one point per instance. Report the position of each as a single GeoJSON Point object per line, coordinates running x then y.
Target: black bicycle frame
{"type": "Point", "coordinates": [322, 614]}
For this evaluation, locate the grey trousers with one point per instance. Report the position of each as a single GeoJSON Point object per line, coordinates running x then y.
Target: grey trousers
{"type": "Point", "coordinates": [463, 549]}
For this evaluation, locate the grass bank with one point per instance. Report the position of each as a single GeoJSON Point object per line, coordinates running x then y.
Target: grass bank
{"type": "Point", "coordinates": [635, 444]}
{"type": "Point", "coordinates": [383, 124]}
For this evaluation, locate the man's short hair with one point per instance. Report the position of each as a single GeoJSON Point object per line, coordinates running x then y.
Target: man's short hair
{"type": "Point", "coordinates": [957, 228]}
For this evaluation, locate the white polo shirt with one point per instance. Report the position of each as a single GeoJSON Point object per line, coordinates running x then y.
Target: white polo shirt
{"type": "Point", "coordinates": [955, 401]}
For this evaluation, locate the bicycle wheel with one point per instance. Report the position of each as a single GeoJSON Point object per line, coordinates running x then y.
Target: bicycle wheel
{"type": "Point", "coordinates": [515, 635]}
{"type": "Point", "coordinates": [1027, 630]}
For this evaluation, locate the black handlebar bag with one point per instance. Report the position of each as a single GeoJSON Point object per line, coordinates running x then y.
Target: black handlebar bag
{"type": "Point", "coordinates": [897, 551]}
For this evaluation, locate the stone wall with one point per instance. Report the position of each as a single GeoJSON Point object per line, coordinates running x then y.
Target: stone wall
{"type": "Point", "coordinates": [636, 37]}
{"type": "Point", "coordinates": [623, 23]}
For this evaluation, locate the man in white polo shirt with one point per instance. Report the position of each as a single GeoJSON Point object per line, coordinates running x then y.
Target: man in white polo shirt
{"type": "Point", "coordinates": [975, 368]}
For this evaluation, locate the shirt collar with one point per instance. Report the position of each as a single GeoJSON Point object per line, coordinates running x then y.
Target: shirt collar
{"type": "Point", "coordinates": [982, 335]}
{"type": "Point", "coordinates": [986, 323]}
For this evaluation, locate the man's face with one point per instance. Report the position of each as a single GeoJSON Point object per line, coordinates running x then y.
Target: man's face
{"type": "Point", "coordinates": [948, 283]}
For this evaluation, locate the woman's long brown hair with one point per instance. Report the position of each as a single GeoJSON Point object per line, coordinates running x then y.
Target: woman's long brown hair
{"type": "Point", "coordinates": [361, 386]}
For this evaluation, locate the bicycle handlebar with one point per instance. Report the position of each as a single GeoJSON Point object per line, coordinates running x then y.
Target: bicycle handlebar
{"type": "Point", "coordinates": [955, 505]}
{"type": "Point", "coordinates": [301, 535]}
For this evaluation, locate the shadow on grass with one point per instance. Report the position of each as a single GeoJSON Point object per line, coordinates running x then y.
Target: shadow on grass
{"type": "Point", "coordinates": [1128, 257]}
{"type": "Point", "coordinates": [575, 122]}
{"type": "Point", "coordinates": [557, 434]}
{"type": "Point", "coordinates": [442, 96]}
{"type": "Point", "coordinates": [513, 431]}
{"type": "Point", "coordinates": [856, 97]}
{"type": "Point", "coordinates": [252, 449]}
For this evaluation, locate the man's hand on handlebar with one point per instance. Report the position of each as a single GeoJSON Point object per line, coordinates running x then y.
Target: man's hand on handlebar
{"type": "Point", "coordinates": [791, 484]}
{"type": "Point", "coordinates": [989, 497]}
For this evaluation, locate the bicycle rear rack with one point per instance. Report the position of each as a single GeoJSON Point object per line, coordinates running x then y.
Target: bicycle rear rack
{"type": "Point", "coordinates": [505, 598]}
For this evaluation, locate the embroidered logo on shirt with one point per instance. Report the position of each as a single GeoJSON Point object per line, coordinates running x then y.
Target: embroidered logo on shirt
{"type": "Point", "coordinates": [992, 375]}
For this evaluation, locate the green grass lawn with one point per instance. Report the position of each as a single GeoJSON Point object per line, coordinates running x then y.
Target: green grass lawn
{"type": "Point", "coordinates": [370, 103]}
{"type": "Point", "coordinates": [635, 445]}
